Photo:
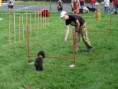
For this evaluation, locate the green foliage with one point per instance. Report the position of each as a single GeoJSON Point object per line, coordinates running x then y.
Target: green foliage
{"type": "Point", "coordinates": [97, 70]}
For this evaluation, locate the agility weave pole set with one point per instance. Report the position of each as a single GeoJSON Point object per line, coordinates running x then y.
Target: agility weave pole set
{"type": "Point", "coordinates": [62, 57]}
{"type": "Point", "coordinates": [40, 25]}
{"type": "Point", "coordinates": [17, 29]}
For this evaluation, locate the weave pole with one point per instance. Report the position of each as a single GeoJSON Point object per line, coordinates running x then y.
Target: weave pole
{"type": "Point", "coordinates": [96, 13]}
{"type": "Point", "coordinates": [65, 57]}
{"type": "Point", "coordinates": [74, 46]}
{"type": "Point", "coordinates": [97, 31]}
{"type": "Point", "coordinates": [23, 24]}
{"type": "Point", "coordinates": [27, 38]}
{"type": "Point", "coordinates": [35, 22]}
{"type": "Point", "coordinates": [110, 22]}
{"type": "Point", "coordinates": [38, 27]}
{"type": "Point", "coordinates": [30, 22]}
{"type": "Point", "coordinates": [45, 16]}
{"type": "Point", "coordinates": [28, 45]}
{"type": "Point", "coordinates": [9, 28]}
{"type": "Point", "coordinates": [19, 28]}
{"type": "Point", "coordinates": [41, 22]}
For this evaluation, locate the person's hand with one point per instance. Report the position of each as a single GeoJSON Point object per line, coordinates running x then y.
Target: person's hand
{"type": "Point", "coordinates": [76, 29]}
{"type": "Point", "coordinates": [65, 40]}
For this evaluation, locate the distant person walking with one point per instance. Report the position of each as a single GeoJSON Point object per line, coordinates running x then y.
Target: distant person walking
{"type": "Point", "coordinates": [115, 4]}
{"type": "Point", "coordinates": [92, 5]}
{"type": "Point", "coordinates": [59, 5]}
{"type": "Point", "coordinates": [10, 5]}
{"type": "Point", "coordinates": [80, 28]}
{"type": "Point", "coordinates": [106, 5]}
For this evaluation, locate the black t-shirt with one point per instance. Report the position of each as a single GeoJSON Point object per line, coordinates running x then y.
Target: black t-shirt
{"type": "Point", "coordinates": [72, 20]}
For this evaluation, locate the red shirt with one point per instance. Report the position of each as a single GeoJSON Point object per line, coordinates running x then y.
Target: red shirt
{"type": "Point", "coordinates": [115, 2]}
{"type": "Point", "coordinates": [92, 1]}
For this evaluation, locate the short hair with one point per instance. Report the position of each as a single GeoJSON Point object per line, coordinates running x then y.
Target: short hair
{"type": "Point", "coordinates": [41, 53]}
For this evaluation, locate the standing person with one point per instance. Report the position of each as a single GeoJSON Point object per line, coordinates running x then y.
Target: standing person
{"type": "Point", "coordinates": [106, 5]}
{"type": "Point", "coordinates": [115, 4]}
{"type": "Point", "coordinates": [82, 3]}
{"type": "Point", "coordinates": [75, 6]}
{"type": "Point", "coordinates": [10, 5]}
{"type": "Point", "coordinates": [92, 5]}
{"type": "Point", "coordinates": [79, 26]}
{"type": "Point", "coordinates": [59, 5]}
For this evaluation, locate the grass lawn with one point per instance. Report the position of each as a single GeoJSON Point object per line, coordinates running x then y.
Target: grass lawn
{"type": "Point", "coordinates": [98, 70]}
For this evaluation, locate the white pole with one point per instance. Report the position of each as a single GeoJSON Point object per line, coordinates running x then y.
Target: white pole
{"type": "Point", "coordinates": [30, 23]}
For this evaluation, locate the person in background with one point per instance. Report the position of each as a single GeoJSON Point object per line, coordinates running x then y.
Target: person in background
{"type": "Point", "coordinates": [10, 5]}
{"type": "Point", "coordinates": [82, 3]}
{"type": "Point", "coordinates": [115, 4]}
{"type": "Point", "coordinates": [59, 5]}
{"type": "Point", "coordinates": [92, 5]}
{"type": "Point", "coordinates": [75, 6]}
{"type": "Point", "coordinates": [106, 5]}
{"type": "Point", "coordinates": [79, 27]}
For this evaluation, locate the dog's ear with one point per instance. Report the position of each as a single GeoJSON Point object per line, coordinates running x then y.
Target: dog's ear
{"type": "Point", "coordinates": [42, 53]}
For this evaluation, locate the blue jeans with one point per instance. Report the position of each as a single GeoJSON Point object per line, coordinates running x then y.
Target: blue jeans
{"type": "Point", "coordinates": [116, 8]}
{"type": "Point", "coordinates": [82, 7]}
{"type": "Point", "coordinates": [106, 9]}
{"type": "Point", "coordinates": [92, 6]}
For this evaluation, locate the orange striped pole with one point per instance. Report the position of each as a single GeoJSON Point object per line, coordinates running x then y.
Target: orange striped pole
{"type": "Point", "coordinates": [65, 57]}
{"type": "Point", "coordinates": [38, 26]}
{"type": "Point", "coordinates": [9, 28]}
{"type": "Point", "coordinates": [28, 45]}
{"type": "Point", "coordinates": [19, 29]}
{"type": "Point", "coordinates": [110, 22]}
{"type": "Point", "coordinates": [96, 12]}
{"type": "Point", "coordinates": [74, 46]}
{"type": "Point", "coordinates": [23, 24]}
{"type": "Point", "coordinates": [35, 22]}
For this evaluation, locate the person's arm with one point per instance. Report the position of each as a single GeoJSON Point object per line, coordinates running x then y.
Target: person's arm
{"type": "Point", "coordinates": [72, 3]}
{"type": "Point", "coordinates": [78, 25]}
{"type": "Point", "coordinates": [67, 33]}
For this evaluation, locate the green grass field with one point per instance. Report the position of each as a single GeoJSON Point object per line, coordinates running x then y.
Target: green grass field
{"type": "Point", "coordinates": [98, 70]}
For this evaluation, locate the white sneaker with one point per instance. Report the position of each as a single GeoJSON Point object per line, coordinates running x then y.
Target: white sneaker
{"type": "Point", "coordinates": [1, 19]}
{"type": "Point", "coordinates": [73, 65]}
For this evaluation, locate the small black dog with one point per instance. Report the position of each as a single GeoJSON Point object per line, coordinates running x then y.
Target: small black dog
{"type": "Point", "coordinates": [39, 61]}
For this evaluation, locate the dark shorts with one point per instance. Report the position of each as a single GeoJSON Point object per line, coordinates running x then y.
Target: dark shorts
{"type": "Point", "coordinates": [10, 6]}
